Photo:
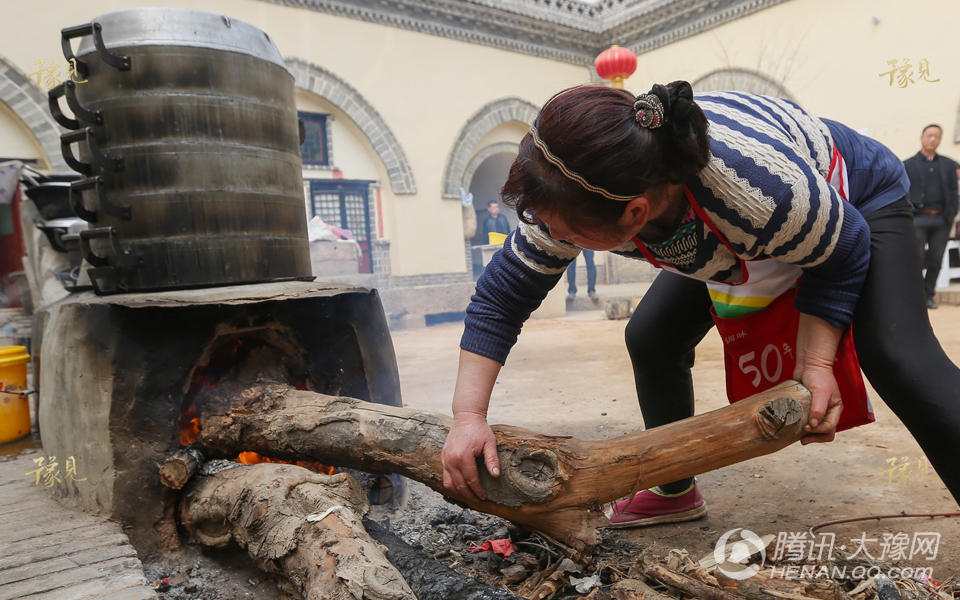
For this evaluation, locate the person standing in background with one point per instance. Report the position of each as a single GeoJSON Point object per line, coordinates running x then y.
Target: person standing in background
{"type": "Point", "coordinates": [933, 194]}
{"type": "Point", "coordinates": [494, 222]}
{"type": "Point", "coordinates": [591, 278]}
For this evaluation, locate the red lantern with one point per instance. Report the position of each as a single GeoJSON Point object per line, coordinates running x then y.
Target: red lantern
{"type": "Point", "coordinates": [616, 64]}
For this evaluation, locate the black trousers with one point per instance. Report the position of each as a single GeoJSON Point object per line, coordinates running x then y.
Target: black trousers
{"type": "Point", "coordinates": [898, 351]}
{"type": "Point", "coordinates": [932, 235]}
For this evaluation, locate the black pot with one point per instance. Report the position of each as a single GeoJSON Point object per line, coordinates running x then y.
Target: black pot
{"type": "Point", "coordinates": [52, 198]}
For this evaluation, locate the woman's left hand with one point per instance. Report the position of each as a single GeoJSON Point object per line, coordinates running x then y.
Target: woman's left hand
{"type": "Point", "coordinates": [817, 343]}
{"type": "Point", "coordinates": [825, 407]}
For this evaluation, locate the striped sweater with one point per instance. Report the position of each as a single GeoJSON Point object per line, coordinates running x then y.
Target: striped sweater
{"type": "Point", "coordinates": [764, 189]}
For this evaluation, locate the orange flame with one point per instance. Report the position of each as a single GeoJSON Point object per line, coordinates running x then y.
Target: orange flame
{"type": "Point", "coordinates": [252, 458]}
{"type": "Point", "coordinates": [207, 377]}
{"type": "Point", "coordinates": [190, 432]}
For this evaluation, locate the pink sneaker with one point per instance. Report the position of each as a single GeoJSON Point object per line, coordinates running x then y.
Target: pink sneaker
{"type": "Point", "coordinates": [650, 507]}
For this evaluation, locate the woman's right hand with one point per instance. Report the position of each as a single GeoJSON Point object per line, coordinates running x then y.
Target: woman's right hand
{"type": "Point", "coordinates": [469, 437]}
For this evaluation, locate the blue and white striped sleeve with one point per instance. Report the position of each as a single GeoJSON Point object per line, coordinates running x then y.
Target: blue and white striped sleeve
{"type": "Point", "coordinates": [511, 287]}
{"type": "Point", "coordinates": [768, 171]}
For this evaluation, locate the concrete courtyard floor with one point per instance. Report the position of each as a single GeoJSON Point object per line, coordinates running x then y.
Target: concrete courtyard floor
{"type": "Point", "coordinates": [571, 376]}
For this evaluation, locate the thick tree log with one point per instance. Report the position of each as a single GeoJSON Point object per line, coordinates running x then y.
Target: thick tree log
{"type": "Point", "coordinates": [551, 483]}
{"type": "Point", "coordinates": [177, 469]}
{"type": "Point", "coordinates": [302, 525]}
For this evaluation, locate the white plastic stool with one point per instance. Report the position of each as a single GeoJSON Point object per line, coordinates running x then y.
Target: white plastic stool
{"type": "Point", "coordinates": [948, 273]}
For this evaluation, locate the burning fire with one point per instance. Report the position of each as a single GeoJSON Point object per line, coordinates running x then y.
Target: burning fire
{"type": "Point", "coordinates": [190, 432]}
{"type": "Point", "coordinates": [209, 377]}
{"type": "Point", "coordinates": [252, 458]}
{"type": "Point", "coordinates": [189, 426]}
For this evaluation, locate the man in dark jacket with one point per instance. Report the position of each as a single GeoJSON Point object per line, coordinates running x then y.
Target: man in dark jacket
{"type": "Point", "coordinates": [933, 194]}
{"type": "Point", "coordinates": [493, 222]}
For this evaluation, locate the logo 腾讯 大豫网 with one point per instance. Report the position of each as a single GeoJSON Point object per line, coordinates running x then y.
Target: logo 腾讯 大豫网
{"type": "Point", "coordinates": [730, 554]}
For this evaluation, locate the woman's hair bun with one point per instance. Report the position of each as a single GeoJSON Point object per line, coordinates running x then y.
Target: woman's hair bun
{"type": "Point", "coordinates": [681, 99]}
{"type": "Point", "coordinates": [686, 144]}
{"type": "Point", "coordinates": [676, 98]}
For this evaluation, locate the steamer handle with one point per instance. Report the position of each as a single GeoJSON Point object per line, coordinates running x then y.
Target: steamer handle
{"type": "Point", "coordinates": [96, 156]}
{"type": "Point", "coordinates": [99, 158]}
{"type": "Point", "coordinates": [100, 232]}
{"type": "Point", "coordinates": [53, 98]}
{"type": "Point", "coordinates": [53, 234]}
{"type": "Point", "coordinates": [76, 202]}
{"type": "Point", "coordinates": [65, 140]}
{"type": "Point", "coordinates": [120, 211]}
{"type": "Point", "coordinates": [117, 61]}
{"type": "Point", "coordinates": [84, 114]}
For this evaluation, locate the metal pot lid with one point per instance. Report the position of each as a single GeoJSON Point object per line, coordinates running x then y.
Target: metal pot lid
{"type": "Point", "coordinates": [163, 26]}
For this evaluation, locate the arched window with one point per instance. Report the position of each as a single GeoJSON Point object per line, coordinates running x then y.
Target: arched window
{"type": "Point", "coordinates": [740, 80]}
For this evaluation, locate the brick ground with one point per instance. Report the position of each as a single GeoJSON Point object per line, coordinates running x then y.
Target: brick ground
{"type": "Point", "coordinates": [51, 552]}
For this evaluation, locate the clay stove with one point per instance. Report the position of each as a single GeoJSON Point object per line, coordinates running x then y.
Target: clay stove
{"type": "Point", "coordinates": [115, 375]}
{"type": "Point", "coordinates": [195, 272]}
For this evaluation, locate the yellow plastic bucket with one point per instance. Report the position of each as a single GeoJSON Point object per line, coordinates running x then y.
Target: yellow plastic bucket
{"type": "Point", "coordinates": [14, 408]}
{"type": "Point", "coordinates": [496, 238]}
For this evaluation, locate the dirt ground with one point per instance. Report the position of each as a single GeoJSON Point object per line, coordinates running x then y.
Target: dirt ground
{"type": "Point", "coordinates": [571, 376]}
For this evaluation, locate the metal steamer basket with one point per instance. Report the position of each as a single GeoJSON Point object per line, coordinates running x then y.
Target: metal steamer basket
{"type": "Point", "coordinates": [186, 132]}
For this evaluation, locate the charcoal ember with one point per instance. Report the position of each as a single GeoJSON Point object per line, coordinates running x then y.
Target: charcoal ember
{"type": "Point", "coordinates": [886, 588]}
{"type": "Point", "coordinates": [468, 533]}
{"type": "Point", "coordinates": [212, 467]}
{"type": "Point", "coordinates": [525, 559]}
{"type": "Point", "coordinates": [515, 533]}
{"type": "Point", "coordinates": [466, 517]}
{"type": "Point", "coordinates": [443, 515]}
{"type": "Point", "coordinates": [515, 573]}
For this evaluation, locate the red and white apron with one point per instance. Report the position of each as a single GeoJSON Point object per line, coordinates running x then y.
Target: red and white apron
{"type": "Point", "coordinates": [760, 347]}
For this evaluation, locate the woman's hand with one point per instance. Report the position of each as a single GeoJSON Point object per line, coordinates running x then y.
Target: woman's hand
{"type": "Point", "coordinates": [826, 406]}
{"type": "Point", "coordinates": [469, 438]}
{"type": "Point", "coordinates": [817, 343]}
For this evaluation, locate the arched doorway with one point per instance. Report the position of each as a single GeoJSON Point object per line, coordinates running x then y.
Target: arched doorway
{"type": "Point", "coordinates": [485, 185]}
{"type": "Point", "coordinates": [489, 172]}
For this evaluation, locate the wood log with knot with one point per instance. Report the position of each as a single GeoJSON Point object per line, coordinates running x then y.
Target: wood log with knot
{"type": "Point", "coordinates": [553, 484]}
{"type": "Point", "coordinates": [304, 526]}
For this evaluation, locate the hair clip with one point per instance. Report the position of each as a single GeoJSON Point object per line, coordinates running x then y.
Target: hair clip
{"type": "Point", "coordinates": [649, 111]}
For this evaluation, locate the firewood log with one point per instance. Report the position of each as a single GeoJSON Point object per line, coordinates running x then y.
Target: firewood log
{"type": "Point", "coordinates": [179, 467]}
{"type": "Point", "coordinates": [554, 484]}
{"type": "Point", "coordinates": [301, 525]}
{"type": "Point", "coordinates": [635, 589]}
{"type": "Point", "coordinates": [688, 585]}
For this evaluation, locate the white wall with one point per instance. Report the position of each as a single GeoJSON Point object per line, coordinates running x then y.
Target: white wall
{"type": "Point", "coordinates": [425, 88]}
{"type": "Point", "coordinates": [829, 54]}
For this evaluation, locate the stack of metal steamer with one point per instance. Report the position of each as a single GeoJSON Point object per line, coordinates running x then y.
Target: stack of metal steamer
{"type": "Point", "coordinates": [185, 132]}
